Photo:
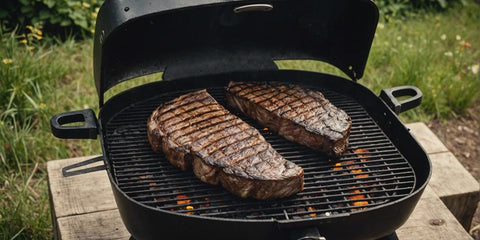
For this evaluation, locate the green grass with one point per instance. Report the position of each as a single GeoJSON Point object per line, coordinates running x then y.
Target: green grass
{"type": "Point", "coordinates": [421, 50]}
{"type": "Point", "coordinates": [35, 84]}
{"type": "Point", "coordinates": [437, 52]}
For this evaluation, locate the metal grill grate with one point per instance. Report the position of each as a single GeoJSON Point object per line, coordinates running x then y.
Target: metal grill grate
{"type": "Point", "coordinates": [372, 172]}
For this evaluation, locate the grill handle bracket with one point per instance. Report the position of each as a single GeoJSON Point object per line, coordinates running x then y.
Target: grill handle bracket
{"type": "Point", "coordinates": [390, 95]}
{"type": "Point", "coordinates": [310, 233]}
{"type": "Point", "coordinates": [87, 130]}
{"type": "Point", "coordinates": [71, 170]}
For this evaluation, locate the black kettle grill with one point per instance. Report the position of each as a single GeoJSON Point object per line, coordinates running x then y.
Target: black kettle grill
{"type": "Point", "coordinates": [366, 194]}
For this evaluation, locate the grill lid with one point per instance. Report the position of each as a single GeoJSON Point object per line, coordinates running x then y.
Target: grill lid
{"type": "Point", "coordinates": [189, 38]}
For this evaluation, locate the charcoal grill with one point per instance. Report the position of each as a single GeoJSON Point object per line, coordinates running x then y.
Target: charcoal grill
{"type": "Point", "coordinates": [365, 194]}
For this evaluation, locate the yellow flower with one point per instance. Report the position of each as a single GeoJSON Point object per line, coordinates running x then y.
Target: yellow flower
{"type": "Point", "coordinates": [39, 37]}
{"type": "Point", "coordinates": [7, 60]}
{"type": "Point", "coordinates": [42, 105]}
{"type": "Point", "coordinates": [85, 5]}
{"type": "Point", "coordinates": [94, 15]}
{"type": "Point", "coordinates": [38, 31]}
{"type": "Point", "coordinates": [30, 48]}
{"type": "Point", "coordinates": [24, 41]}
{"type": "Point", "coordinates": [30, 28]}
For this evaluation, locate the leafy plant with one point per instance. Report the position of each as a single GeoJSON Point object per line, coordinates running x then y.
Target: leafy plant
{"type": "Point", "coordinates": [401, 7]}
{"type": "Point", "coordinates": [55, 15]}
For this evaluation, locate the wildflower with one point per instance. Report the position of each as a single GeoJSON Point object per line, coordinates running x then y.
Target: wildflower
{"type": "Point", "coordinates": [448, 54]}
{"type": "Point", "coordinates": [7, 60]}
{"type": "Point", "coordinates": [380, 26]}
{"type": "Point", "coordinates": [443, 37]}
{"type": "Point", "coordinates": [85, 5]}
{"type": "Point", "coordinates": [458, 37]}
{"type": "Point", "coordinates": [94, 15]}
{"type": "Point", "coordinates": [38, 37]}
{"type": "Point", "coordinates": [475, 68]}
{"type": "Point", "coordinates": [38, 31]}
{"type": "Point", "coordinates": [30, 48]}
{"type": "Point", "coordinates": [24, 41]}
{"type": "Point", "coordinates": [399, 38]}
{"type": "Point", "coordinates": [42, 105]}
{"type": "Point", "coordinates": [465, 44]}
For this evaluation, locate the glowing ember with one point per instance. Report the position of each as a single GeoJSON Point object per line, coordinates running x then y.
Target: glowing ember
{"type": "Point", "coordinates": [189, 208]}
{"type": "Point", "coordinates": [312, 209]}
{"type": "Point", "coordinates": [360, 203]}
{"type": "Point", "coordinates": [360, 175]}
{"type": "Point", "coordinates": [362, 156]}
{"type": "Point", "coordinates": [356, 197]}
{"type": "Point", "coordinates": [337, 166]}
{"type": "Point", "coordinates": [182, 201]}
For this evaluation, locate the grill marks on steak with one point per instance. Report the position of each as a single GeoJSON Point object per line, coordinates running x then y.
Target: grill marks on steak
{"type": "Point", "coordinates": [196, 132]}
{"type": "Point", "coordinates": [300, 115]}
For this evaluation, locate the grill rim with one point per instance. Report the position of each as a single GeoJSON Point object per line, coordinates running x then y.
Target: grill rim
{"type": "Point", "coordinates": [104, 118]}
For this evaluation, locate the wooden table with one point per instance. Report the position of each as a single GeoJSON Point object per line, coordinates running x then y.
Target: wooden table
{"type": "Point", "coordinates": [83, 206]}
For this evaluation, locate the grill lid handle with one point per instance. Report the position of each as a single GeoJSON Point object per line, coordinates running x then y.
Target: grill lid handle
{"type": "Point", "coordinates": [390, 95]}
{"type": "Point", "coordinates": [88, 130]}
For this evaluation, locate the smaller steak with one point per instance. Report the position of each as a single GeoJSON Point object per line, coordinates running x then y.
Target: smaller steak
{"type": "Point", "coordinates": [194, 131]}
{"type": "Point", "coordinates": [300, 115]}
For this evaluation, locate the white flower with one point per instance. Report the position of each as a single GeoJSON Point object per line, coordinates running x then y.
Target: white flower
{"type": "Point", "coordinates": [448, 54]}
{"type": "Point", "coordinates": [399, 38]}
{"type": "Point", "coordinates": [380, 26]}
{"type": "Point", "coordinates": [475, 68]}
{"type": "Point", "coordinates": [443, 37]}
{"type": "Point", "coordinates": [458, 37]}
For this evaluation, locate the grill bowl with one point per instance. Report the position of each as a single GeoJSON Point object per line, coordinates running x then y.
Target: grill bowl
{"type": "Point", "coordinates": [155, 198]}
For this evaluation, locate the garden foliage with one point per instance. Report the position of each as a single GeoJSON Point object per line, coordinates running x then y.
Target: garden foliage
{"type": "Point", "coordinates": [401, 7]}
{"type": "Point", "coordinates": [54, 15]}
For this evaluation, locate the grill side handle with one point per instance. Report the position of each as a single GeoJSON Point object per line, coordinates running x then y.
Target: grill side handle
{"type": "Point", "coordinates": [390, 95]}
{"type": "Point", "coordinates": [87, 130]}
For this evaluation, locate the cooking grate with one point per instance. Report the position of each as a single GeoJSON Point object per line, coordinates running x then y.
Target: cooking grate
{"type": "Point", "coordinates": [372, 172]}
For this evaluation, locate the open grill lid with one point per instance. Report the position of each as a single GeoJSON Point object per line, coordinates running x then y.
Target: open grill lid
{"type": "Point", "coordinates": [191, 38]}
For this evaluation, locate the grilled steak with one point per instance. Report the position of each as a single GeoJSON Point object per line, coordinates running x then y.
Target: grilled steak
{"type": "Point", "coordinates": [194, 131]}
{"type": "Point", "coordinates": [300, 115]}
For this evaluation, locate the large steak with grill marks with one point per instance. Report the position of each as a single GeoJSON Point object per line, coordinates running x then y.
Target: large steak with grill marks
{"type": "Point", "coordinates": [299, 114]}
{"type": "Point", "coordinates": [195, 132]}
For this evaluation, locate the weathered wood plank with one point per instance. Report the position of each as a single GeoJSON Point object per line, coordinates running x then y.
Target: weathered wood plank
{"type": "Point", "coordinates": [455, 186]}
{"type": "Point", "coordinates": [101, 225]}
{"type": "Point", "coordinates": [450, 181]}
{"type": "Point", "coordinates": [84, 208]}
{"type": "Point", "coordinates": [426, 138]}
{"type": "Point", "coordinates": [81, 193]}
{"type": "Point", "coordinates": [432, 220]}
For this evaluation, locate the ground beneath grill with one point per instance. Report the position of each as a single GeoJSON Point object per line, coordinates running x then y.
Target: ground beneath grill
{"type": "Point", "coordinates": [461, 137]}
